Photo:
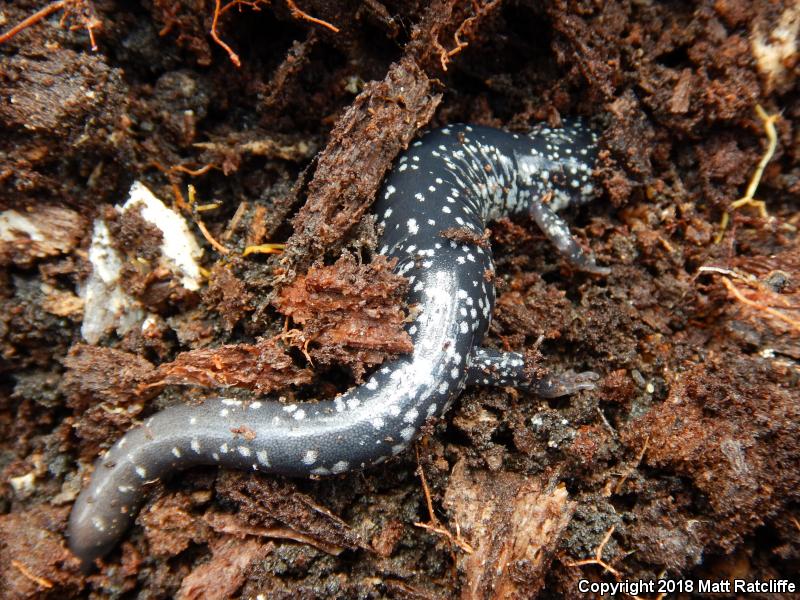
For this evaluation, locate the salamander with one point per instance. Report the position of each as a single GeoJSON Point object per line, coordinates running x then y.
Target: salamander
{"type": "Point", "coordinates": [459, 176]}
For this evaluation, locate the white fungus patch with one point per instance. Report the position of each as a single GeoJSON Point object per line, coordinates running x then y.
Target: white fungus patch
{"type": "Point", "coordinates": [179, 249]}
{"type": "Point", "coordinates": [775, 45]}
{"type": "Point", "coordinates": [107, 306]}
{"type": "Point", "coordinates": [13, 223]}
{"type": "Point", "coordinates": [24, 485]}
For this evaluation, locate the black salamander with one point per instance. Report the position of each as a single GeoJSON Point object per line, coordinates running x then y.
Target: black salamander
{"type": "Point", "coordinates": [459, 176]}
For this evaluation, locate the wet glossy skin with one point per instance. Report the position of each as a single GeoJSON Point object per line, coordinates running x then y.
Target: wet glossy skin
{"type": "Point", "coordinates": [456, 177]}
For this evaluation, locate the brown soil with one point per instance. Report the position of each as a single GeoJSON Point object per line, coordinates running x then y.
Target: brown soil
{"type": "Point", "coordinates": [684, 463]}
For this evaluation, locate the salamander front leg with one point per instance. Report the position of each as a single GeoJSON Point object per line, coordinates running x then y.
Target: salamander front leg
{"type": "Point", "coordinates": [493, 367]}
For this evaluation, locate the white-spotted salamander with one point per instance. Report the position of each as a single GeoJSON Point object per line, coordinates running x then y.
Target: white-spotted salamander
{"type": "Point", "coordinates": [460, 176]}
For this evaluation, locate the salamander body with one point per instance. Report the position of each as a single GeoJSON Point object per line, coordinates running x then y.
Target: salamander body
{"type": "Point", "coordinates": [457, 177]}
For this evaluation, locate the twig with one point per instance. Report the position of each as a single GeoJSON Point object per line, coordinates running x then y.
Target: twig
{"type": "Point", "coordinates": [749, 197]}
{"type": "Point", "coordinates": [299, 14]}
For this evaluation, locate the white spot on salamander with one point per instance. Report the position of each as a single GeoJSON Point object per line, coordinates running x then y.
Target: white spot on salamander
{"type": "Point", "coordinates": [310, 457]}
{"type": "Point", "coordinates": [340, 467]}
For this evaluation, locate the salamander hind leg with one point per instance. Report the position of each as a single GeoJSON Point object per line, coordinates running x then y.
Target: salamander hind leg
{"type": "Point", "coordinates": [557, 231]}
{"type": "Point", "coordinates": [496, 368]}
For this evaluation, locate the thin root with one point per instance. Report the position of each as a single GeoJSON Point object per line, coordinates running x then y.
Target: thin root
{"type": "Point", "coordinates": [299, 14]}
{"type": "Point", "coordinates": [749, 197]}
{"type": "Point", "coordinates": [444, 54]}
{"type": "Point", "coordinates": [435, 525]}
{"type": "Point", "coordinates": [201, 226]}
{"type": "Point", "coordinates": [231, 54]}
{"type": "Point", "coordinates": [192, 172]}
{"type": "Point", "coordinates": [264, 249]}
{"type": "Point", "coordinates": [624, 478]}
{"type": "Point", "coordinates": [88, 19]}
{"type": "Point", "coordinates": [45, 583]}
{"type": "Point", "coordinates": [773, 312]}
{"type": "Point", "coordinates": [598, 556]}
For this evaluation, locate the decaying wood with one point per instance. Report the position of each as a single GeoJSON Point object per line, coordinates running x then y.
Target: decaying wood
{"type": "Point", "coordinates": [380, 122]}
{"type": "Point", "coordinates": [350, 312]}
{"type": "Point", "coordinates": [261, 367]}
{"type": "Point", "coordinates": [515, 523]}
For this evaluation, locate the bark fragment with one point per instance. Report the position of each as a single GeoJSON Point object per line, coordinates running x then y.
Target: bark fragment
{"type": "Point", "coordinates": [350, 312]}
{"type": "Point", "coordinates": [514, 522]}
